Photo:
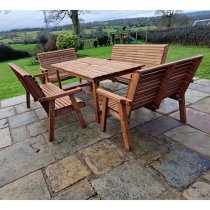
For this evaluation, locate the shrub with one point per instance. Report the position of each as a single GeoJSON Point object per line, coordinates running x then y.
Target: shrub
{"type": "Point", "coordinates": [7, 53]}
{"type": "Point", "coordinates": [81, 45]}
{"type": "Point", "coordinates": [103, 41]}
{"type": "Point", "coordinates": [192, 35]}
{"type": "Point", "coordinates": [67, 41]}
{"type": "Point", "coordinates": [33, 61]}
{"type": "Point", "coordinates": [95, 43]}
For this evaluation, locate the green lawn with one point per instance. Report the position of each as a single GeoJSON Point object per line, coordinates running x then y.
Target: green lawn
{"type": "Point", "coordinates": [10, 86]}
{"type": "Point", "coordinates": [25, 47]}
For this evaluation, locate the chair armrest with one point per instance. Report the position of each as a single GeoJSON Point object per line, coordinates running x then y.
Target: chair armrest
{"type": "Point", "coordinates": [44, 70]}
{"type": "Point", "coordinates": [60, 95]}
{"type": "Point", "coordinates": [41, 77]}
{"type": "Point", "coordinates": [113, 96]}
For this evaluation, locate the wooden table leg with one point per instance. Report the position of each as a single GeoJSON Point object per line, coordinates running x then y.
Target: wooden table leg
{"type": "Point", "coordinates": [96, 102]}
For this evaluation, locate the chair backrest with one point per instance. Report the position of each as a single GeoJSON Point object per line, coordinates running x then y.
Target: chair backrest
{"type": "Point", "coordinates": [147, 54]}
{"type": "Point", "coordinates": [28, 82]}
{"type": "Point", "coordinates": [46, 59]}
{"type": "Point", "coordinates": [148, 87]}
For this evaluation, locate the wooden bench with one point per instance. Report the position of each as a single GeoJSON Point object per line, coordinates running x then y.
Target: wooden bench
{"type": "Point", "coordinates": [147, 54]}
{"type": "Point", "coordinates": [46, 59]}
{"type": "Point", "coordinates": [55, 101]}
{"type": "Point", "coordinates": [147, 88]}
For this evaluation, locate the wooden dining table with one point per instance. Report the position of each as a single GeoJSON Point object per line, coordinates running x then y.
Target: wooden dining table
{"type": "Point", "coordinates": [95, 70]}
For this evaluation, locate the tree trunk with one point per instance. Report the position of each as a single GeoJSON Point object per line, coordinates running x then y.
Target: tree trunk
{"type": "Point", "coordinates": [74, 15]}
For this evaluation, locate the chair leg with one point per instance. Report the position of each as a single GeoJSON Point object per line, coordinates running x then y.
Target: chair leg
{"type": "Point", "coordinates": [77, 111]}
{"type": "Point", "coordinates": [80, 80]}
{"type": "Point", "coordinates": [104, 114]}
{"type": "Point", "coordinates": [182, 110]}
{"type": "Point", "coordinates": [124, 126]}
{"type": "Point", "coordinates": [59, 79]}
{"type": "Point", "coordinates": [28, 100]}
{"type": "Point", "coordinates": [51, 120]}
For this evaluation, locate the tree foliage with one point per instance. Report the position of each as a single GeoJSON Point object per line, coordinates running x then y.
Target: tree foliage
{"type": "Point", "coordinates": [170, 18]}
{"type": "Point", "coordinates": [59, 15]}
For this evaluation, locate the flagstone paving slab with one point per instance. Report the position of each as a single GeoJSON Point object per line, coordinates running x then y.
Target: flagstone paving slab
{"type": "Point", "coordinates": [88, 114]}
{"type": "Point", "coordinates": [205, 82]}
{"type": "Point", "coordinates": [129, 181]}
{"type": "Point", "coordinates": [197, 119]}
{"type": "Point", "coordinates": [22, 119]}
{"type": "Point", "coordinates": [30, 187]}
{"type": "Point", "coordinates": [113, 127]}
{"type": "Point", "coordinates": [70, 139]}
{"type": "Point", "coordinates": [159, 126]}
{"type": "Point", "coordinates": [3, 123]}
{"type": "Point", "coordinates": [193, 96]}
{"type": "Point", "coordinates": [203, 105]}
{"type": "Point", "coordinates": [5, 138]}
{"type": "Point", "coordinates": [146, 149]}
{"type": "Point", "coordinates": [169, 105]}
{"type": "Point", "coordinates": [81, 191]}
{"type": "Point", "coordinates": [198, 191]}
{"type": "Point", "coordinates": [64, 173]}
{"type": "Point", "coordinates": [21, 108]}
{"type": "Point", "coordinates": [13, 101]}
{"type": "Point", "coordinates": [112, 86]}
{"type": "Point", "coordinates": [102, 157]}
{"type": "Point", "coordinates": [170, 194]}
{"type": "Point", "coordinates": [206, 176]}
{"type": "Point", "coordinates": [22, 158]}
{"type": "Point", "coordinates": [7, 112]}
{"type": "Point", "coordinates": [202, 88]}
{"type": "Point", "coordinates": [37, 128]}
{"type": "Point", "coordinates": [191, 138]}
{"type": "Point", "coordinates": [182, 167]}
{"type": "Point", "coordinates": [143, 115]}
{"type": "Point", "coordinates": [19, 134]}
{"type": "Point", "coordinates": [40, 113]}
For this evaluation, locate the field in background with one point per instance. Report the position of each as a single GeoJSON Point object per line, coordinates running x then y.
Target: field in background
{"type": "Point", "coordinates": [10, 86]}
{"type": "Point", "coordinates": [9, 37]}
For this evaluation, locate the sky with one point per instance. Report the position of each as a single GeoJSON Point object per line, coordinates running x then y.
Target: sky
{"type": "Point", "coordinates": [34, 18]}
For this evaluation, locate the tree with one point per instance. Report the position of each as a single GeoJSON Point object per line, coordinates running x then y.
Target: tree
{"type": "Point", "coordinates": [59, 15]}
{"type": "Point", "coordinates": [167, 17]}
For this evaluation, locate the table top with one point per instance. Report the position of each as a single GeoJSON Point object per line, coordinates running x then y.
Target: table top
{"type": "Point", "coordinates": [96, 69]}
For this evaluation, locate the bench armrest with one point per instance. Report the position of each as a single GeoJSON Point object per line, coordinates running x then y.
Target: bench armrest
{"type": "Point", "coordinates": [113, 96]}
{"type": "Point", "coordinates": [60, 95]}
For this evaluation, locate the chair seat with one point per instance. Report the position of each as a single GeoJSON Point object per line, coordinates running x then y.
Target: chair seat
{"type": "Point", "coordinates": [49, 89]}
{"type": "Point", "coordinates": [63, 76]}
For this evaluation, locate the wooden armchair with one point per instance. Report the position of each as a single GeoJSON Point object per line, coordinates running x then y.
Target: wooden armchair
{"type": "Point", "coordinates": [46, 59]}
{"type": "Point", "coordinates": [148, 54]}
{"type": "Point", "coordinates": [55, 101]}
{"type": "Point", "coordinates": [147, 88]}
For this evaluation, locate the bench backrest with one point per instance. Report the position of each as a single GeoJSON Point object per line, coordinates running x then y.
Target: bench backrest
{"type": "Point", "coordinates": [147, 54]}
{"type": "Point", "coordinates": [46, 59]}
{"type": "Point", "coordinates": [148, 87]}
{"type": "Point", "coordinates": [28, 81]}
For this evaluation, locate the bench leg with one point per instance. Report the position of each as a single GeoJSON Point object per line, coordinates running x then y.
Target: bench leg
{"type": "Point", "coordinates": [104, 114]}
{"type": "Point", "coordinates": [51, 120]}
{"type": "Point", "coordinates": [124, 126]}
{"type": "Point", "coordinates": [28, 100]}
{"type": "Point", "coordinates": [182, 110]}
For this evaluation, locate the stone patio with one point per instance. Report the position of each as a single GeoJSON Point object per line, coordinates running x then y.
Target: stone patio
{"type": "Point", "coordinates": [169, 160]}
